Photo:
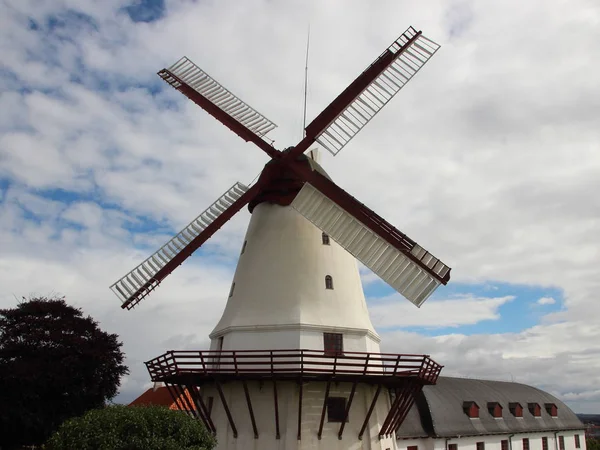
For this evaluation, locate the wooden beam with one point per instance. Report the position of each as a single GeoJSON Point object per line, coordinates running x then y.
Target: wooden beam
{"type": "Point", "coordinates": [277, 435]}
{"type": "Point", "coordinates": [390, 415]}
{"type": "Point", "coordinates": [300, 411]}
{"type": "Point", "coordinates": [173, 394]}
{"type": "Point", "coordinates": [227, 412]}
{"type": "Point", "coordinates": [324, 408]}
{"type": "Point", "coordinates": [227, 120]}
{"type": "Point", "coordinates": [341, 432]}
{"type": "Point", "coordinates": [185, 400]}
{"type": "Point", "coordinates": [403, 412]}
{"type": "Point", "coordinates": [249, 403]}
{"type": "Point", "coordinates": [198, 397]}
{"type": "Point", "coordinates": [187, 251]}
{"type": "Point", "coordinates": [371, 408]}
{"type": "Point", "coordinates": [348, 95]}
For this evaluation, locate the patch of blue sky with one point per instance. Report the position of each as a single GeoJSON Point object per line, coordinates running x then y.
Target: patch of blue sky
{"type": "Point", "coordinates": [521, 313]}
{"type": "Point", "coordinates": [146, 10]}
{"type": "Point", "coordinates": [135, 224]}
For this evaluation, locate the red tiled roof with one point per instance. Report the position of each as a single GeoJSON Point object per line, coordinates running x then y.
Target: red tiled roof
{"type": "Point", "coordinates": [161, 397]}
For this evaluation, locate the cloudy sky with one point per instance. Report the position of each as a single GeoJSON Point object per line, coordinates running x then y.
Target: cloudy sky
{"type": "Point", "coordinates": [490, 158]}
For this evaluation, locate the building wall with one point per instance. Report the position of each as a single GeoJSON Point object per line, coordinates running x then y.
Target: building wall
{"type": "Point", "coordinates": [295, 337]}
{"type": "Point", "coordinates": [312, 403]}
{"type": "Point", "coordinates": [494, 442]}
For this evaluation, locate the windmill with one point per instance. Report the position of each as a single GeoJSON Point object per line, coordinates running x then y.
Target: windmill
{"type": "Point", "coordinates": [394, 257]}
{"type": "Point", "coordinates": [275, 317]}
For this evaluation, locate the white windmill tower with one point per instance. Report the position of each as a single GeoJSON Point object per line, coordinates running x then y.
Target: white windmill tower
{"type": "Point", "coordinates": [295, 361]}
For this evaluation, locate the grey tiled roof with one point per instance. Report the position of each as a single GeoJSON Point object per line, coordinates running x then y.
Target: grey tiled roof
{"type": "Point", "coordinates": [438, 410]}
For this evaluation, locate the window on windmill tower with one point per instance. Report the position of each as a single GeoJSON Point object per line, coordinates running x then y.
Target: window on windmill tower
{"type": "Point", "coordinates": [544, 443]}
{"type": "Point", "coordinates": [328, 282]}
{"type": "Point", "coordinates": [325, 238]}
{"type": "Point", "coordinates": [504, 444]}
{"type": "Point", "coordinates": [232, 289]}
{"type": "Point", "coordinates": [561, 442]}
{"type": "Point", "coordinates": [525, 443]}
{"type": "Point", "coordinates": [481, 446]}
{"type": "Point", "coordinates": [412, 447]}
{"type": "Point", "coordinates": [336, 409]}
{"type": "Point", "coordinates": [243, 247]}
{"type": "Point", "coordinates": [452, 446]}
{"type": "Point", "coordinates": [333, 344]}
{"type": "Point", "coordinates": [577, 442]}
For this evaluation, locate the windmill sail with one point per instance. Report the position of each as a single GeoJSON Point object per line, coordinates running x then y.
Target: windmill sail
{"type": "Point", "coordinates": [416, 282]}
{"type": "Point", "coordinates": [380, 91]}
{"type": "Point", "coordinates": [192, 75]}
{"type": "Point", "coordinates": [142, 280]}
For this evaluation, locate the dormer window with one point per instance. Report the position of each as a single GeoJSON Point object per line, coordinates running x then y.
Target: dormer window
{"type": "Point", "coordinates": [471, 409]}
{"type": "Point", "coordinates": [551, 409]}
{"type": "Point", "coordinates": [325, 238]}
{"type": "Point", "coordinates": [534, 409]}
{"type": "Point", "coordinates": [328, 282]}
{"type": "Point", "coordinates": [516, 409]}
{"type": "Point", "coordinates": [495, 409]}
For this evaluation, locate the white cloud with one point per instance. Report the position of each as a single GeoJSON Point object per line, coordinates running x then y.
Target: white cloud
{"type": "Point", "coordinates": [546, 301]}
{"type": "Point", "coordinates": [395, 311]}
{"type": "Point", "coordinates": [487, 158]}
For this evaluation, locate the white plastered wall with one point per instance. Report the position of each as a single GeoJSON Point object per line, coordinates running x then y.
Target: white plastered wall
{"type": "Point", "coordinates": [493, 442]}
{"type": "Point", "coordinates": [280, 300]}
{"type": "Point", "coordinates": [312, 403]}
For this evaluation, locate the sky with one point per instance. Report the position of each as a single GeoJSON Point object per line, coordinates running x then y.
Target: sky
{"type": "Point", "coordinates": [489, 157]}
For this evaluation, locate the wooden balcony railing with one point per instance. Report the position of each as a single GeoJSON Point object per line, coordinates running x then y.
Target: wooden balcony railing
{"type": "Point", "coordinates": [279, 364]}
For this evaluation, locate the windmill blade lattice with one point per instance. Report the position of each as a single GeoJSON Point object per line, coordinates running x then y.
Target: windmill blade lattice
{"type": "Point", "coordinates": [142, 280]}
{"type": "Point", "coordinates": [416, 282]}
{"type": "Point", "coordinates": [381, 90]}
{"type": "Point", "coordinates": [192, 75]}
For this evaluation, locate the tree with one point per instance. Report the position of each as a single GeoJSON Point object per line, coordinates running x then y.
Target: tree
{"type": "Point", "coordinates": [54, 364]}
{"type": "Point", "coordinates": [132, 428]}
{"type": "Point", "coordinates": [592, 444]}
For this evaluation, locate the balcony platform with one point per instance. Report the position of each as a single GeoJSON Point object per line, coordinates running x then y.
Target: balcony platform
{"type": "Point", "coordinates": [404, 375]}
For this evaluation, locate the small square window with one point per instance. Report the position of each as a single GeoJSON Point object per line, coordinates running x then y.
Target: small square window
{"type": "Point", "coordinates": [504, 444]}
{"type": "Point", "coordinates": [481, 446]}
{"type": "Point", "coordinates": [333, 344]}
{"type": "Point", "coordinates": [336, 409]}
{"type": "Point", "coordinates": [412, 447]}
{"type": "Point", "coordinates": [452, 446]}
{"type": "Point", "coordinates": [325, 238]}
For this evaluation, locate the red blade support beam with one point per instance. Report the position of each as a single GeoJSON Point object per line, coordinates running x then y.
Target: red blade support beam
{"type": "Point", "coordinates": [363, 81]}
{"type": "Point", "coordinates": [194, 244]}
{"type": "Point", "coordinates": [230, 122]}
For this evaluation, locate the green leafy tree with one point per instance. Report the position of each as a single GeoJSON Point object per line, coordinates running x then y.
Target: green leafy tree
{"type": "Point", "coordinates": [132, 428]}
{"type": "Point", "coordinates": [54, 364]}
{"type": "Point", "coordinates": [592, 444]}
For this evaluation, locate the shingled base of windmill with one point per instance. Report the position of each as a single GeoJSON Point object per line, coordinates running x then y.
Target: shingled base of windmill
{"type": "Point", "coordinates": [295, 362]}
